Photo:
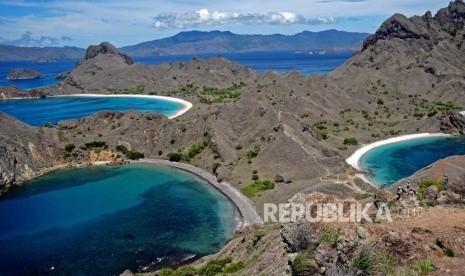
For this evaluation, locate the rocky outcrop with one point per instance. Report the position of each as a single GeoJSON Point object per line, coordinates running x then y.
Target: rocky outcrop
{"type": "Point", "coordinates": [106, 48]}
{"type": "Point", "coordinates": [450, 19]}
{"type": "Point", "coordinates": [452, 123]}
{"type": "Point", "coordinates": [23, 74]}
{"type": "Point", "coordinates": [398, 26]}
{"type": "Point", "coordinates": [24, 151]}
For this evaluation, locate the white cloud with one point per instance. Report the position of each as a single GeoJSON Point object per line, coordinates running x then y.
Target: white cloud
{"type": "Point", "coordinates": [204, 17]}
{"type": "Point", "coordinates": [26, 40]}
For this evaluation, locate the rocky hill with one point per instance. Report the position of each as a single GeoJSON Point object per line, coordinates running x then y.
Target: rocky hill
{"type": "Point", "coordinates": [196, 42]}
{"type": "Point", "coordinates": [23, 74]}
{"type": "Point", "coordinates": [290, 125]}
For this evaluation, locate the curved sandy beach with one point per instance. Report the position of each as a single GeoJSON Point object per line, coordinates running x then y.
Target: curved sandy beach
{"type": "Point", "coordinates": [186, 105]}
{"type": "Point", "coordinates": [246, 209]}
{"type": "Point", "coordinates": [354, 159]}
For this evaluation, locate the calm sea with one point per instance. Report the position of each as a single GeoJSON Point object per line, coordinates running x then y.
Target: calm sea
{"type": "Point", "coordinates": [304, 63]}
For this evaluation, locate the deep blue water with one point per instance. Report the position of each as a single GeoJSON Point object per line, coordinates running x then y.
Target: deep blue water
{"type": "Point", "coordinates": [261, 61]}
{"type": "Point", "coordinates": [390, 163]}
{"type": "Point", "coordinates": [49, 70]}
{"type": "Point", "coordinates": [38, 112]}
{"type": "Point", "coordinates": [103, 220]}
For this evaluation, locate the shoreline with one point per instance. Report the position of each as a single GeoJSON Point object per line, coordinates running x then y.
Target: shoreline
{"type": "Point", "coordinates": [244, 207]}
{"type": "Point", "coordinates": [186, 105]}
{"type": "Point", "coordinates": [355, 158]}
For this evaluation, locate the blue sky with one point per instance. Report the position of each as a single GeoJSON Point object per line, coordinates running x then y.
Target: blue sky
{"type": "Point", "coordinates": [127, 22]}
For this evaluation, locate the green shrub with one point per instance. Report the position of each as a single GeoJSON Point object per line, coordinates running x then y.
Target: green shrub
{"type": "Point", "coordinates": [69, 147]}
{"type": "Point", "coordinates": [95, 144]}
{"type": "Point", "coordinates": [186, 271]}
{"type": "Point", "coordinates": [450, 252]}
{"type": "Point", "coordinates": [365, 260]}
{"type": "Point", "coordinates": [214, 267]}
{"type": "Point", "coordinates": [257, 186]}
{"type": "Point", "coordinates": [350, 141]}
{"type": "Point", "coordinates": [324, 134]}
{"type": "Point", "coordinates": [330, 236]}
{"type": "Point", "coordinates": [255, 177]}
{"type": "Point", "coordinates": [133, 155]}
{"type": "Point", "coordinates": [424, 184]}
{"type": "Point", "coordinates": [234, 267]}
{"type": "Point", "coordinates": [167, 272]}
{"type": "Point", "coordinates": [252, 153]}
{"type": "Point", "coordinates": [140, 89]}
{"type": "Point", "coordinates": [215, 166]}
{"type": "Point", "coordinates": [195, 149]}
{"type": "Point", "coordinates": [303, 264]}
{"type": "Point", "coordinates": [304, 115]}
{"type": "Point", "coordinates": [424, 267]}
{"type": "Point", "coordinates": [175, 156]}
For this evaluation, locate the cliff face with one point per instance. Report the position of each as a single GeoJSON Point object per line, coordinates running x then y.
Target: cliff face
{"type": "Point", "coordinates": [24, 150]}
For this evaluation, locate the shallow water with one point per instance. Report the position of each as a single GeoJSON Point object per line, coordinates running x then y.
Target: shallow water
{"type": "Point", "coordinates": [389, 163]}
{"type": "Point", "coordinates": [38, 112]}
{"type": "Point", "coordinates": [104, 220]}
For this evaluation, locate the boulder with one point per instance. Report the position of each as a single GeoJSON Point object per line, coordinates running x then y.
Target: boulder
{"type": "Point", "coordinates": [448, 197]}
{"type": "Point", "coordinates": [431, 192]}
{"type": "Point", "coordinates": [452, 123]}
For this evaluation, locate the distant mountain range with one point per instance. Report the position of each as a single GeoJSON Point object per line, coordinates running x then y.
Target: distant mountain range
{"type": "Point", "coordinates": [46, 54]}
{"type": "Point", "coordinates": [196, 42]}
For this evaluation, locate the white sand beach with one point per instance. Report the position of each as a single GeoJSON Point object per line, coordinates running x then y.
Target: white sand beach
{"type": "Point", "coordinates": [354, 159]}
{"type": "Point", "coordinates": [186, 105]}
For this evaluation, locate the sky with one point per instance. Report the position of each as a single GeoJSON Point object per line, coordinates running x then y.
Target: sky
{"type": "Point", "coordinates": [128, 22]}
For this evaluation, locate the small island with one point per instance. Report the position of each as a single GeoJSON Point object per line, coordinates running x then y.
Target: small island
{"type": "Point", "coordinates": [23, 74]}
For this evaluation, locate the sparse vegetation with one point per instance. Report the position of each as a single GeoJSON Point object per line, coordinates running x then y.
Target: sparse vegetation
{"type": "Point", "coordinates": [257, 186]}
{"type": "Point", "coordinates": [175, 156]}
{"type": "Point", "coordinates": [69, 147]}
{"type": "Point", "coordinates": [212, 95]}
{"type": "Point", "coordinates": [303, 264]}
{"type": "Point", "coordinates": [96, 144]}
{"type": "Point", "coordinates": [195, 149]}
{"type": "Point", "coordinates": [133, 155]}
{"type": "Point", "coordinates": [350, 141]}
{"type": "Point", "coordinates": [424, 184]}
{"type": "Point", "coordinates": [450, 252]}
{"type": "Point", "coordinates": [252, 153]}
{"type": "Point", "coordinates": [330, 236]}
{"type": "Point", "coordinates": [424, 267]}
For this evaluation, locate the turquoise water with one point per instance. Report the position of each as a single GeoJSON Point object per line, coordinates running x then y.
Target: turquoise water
{"type": "Point", "coordinates": [392, 162]}
{"type": "Point", "coordinates": [103, 220]}
{"type": "Point", "coordinates": [38, 112]}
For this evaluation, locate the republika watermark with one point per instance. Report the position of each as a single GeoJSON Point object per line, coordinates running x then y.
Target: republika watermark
{"type": "Point", "coordinates": [326, 212]}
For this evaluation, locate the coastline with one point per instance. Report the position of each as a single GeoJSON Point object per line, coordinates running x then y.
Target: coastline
{"type": "Point", "coordinates": [354, 159]}
{"type": "Point", "coordinates": [244, 206]}
{"type": "Point", "coordinates": [186, 105]}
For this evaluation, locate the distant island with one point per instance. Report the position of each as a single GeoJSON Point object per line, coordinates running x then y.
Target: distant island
{"type": "Point", "coordinates": [197, 42]}
{"type": "Point", "coordinates": [23, 74]}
